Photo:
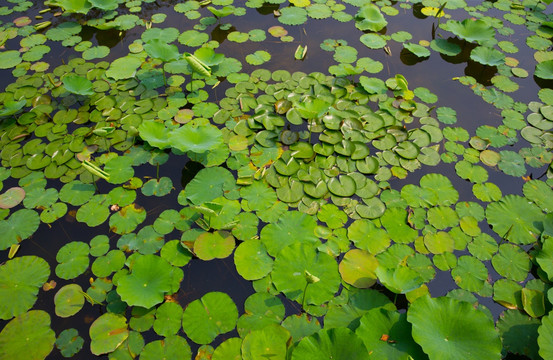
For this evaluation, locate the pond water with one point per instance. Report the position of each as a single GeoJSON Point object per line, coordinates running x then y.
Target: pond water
{"type": "Point", "coordinates": [180, 180]}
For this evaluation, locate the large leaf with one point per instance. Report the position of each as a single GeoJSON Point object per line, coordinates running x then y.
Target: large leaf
{"type": "Point", "coordinates": [19, 226]}
{"type": "Point", "coordinates": [471, 30]}
{"type": "Point", "coordinates": [150, 279]}
{"type": "Point", "coordinates": [369, 17]}
{"type": "Point", "coordinates": [447, 328]}
{"type": "Point", "coordinates": [107, 332]}
{"type": "Point", "coordinates": [295, 264]}
{"type": "Point", "coordinates": [20, 280]}
{"type": "Point", "coordinates": [27, 337]}
{"type": "Point", "coordinates": [203, 319]}
{"type": "Point", "coordinates": [77, 85]}
{"type": "Point", "coordinates": [195, 138]}
{"type": "Point", "coordinates": [339, 344]}
{"type": "Point", "coordinates": [515, 219]}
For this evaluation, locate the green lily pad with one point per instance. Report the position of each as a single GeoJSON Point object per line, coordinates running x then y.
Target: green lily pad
{"type": "Point", "coordinates": [470, 273]}
{"type": "Point", "coordinates": [544, 70]}
{"type": "Point", "coordinates": [76, 193]}
{"type": "Point", "coordinates": [11, 197]}
{"type": "Point", "coordinates": [519, 333]}
{"type": "Point", "coordinates": [252, 261]}
{"type": "Point", "coordinates": [487, 56]}
{"type": "Point", "coordinates": [18, 227]}
{"type": "Point", "coordinates": [78, 85]}
{"type": "Point", "coordinates": [127, 219]}
{"type": "Point", "coordinates": [123, 68]}
{"type": "Point", "coordinates": [388, 335]}
{"type": "Point", "coordinates": [94, 212]}
{"type": "Point", "coordinates": [358, 268]}
{"type": "Point", "coordinates": [369, 17]}
{"type": "Point", "coordinates": [197, 139]}
{"type": "Point", "coordinates": [448, 326]}
{"type": "Point", "coordinates": [290, 274]}
{"type": "Point", "coordinates": [149, 280]}
{"type": "Point", "coordinates": [260, 310]}
{"type": "Point", "coordinates": [545, 337]}
{"type": "Point", "coordinates": [107, 332]}
{"type": "Point", "coordinates": [515, 219]}
{"type": "Point", "coordinates": [209, 184]}
{"type": "Point", "coordinates": [471, 30]}
{"type": "Point", "coordinates": [292, 226]}
{"type": "Point", "coordinates": [158, 187]}
{"type": "Point", "coordinates": [27, 337]}
{"type": "Point", "coordinates": [512, 262]}
{"type": "Point", "coordinates": [229, 349]}
{"type": "Point", "coordinates": [270, 341]}
{"type": "Point", "coordinates": [69, 300]}
{"type": "Point", "coordinates": [338, 343]}
{"type": "Point", "coordinates": [69, 342]}
{"type": "Point", "coordinates": [203, 319]}
{"type": "Point", "coordinates": [168, 319]}
{"type": "Point", "coordinates": [21, 279]}
{"type": "Point", "coordinates": [216, 245]}
{"type": "Point", "coordinates": [171, 347]}
{"type": "Point", "coordinates": [73, 260]}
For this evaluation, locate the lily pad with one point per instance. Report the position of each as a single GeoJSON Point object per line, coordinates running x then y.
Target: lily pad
{"type": "Point", "coordinates": [203, 319]}
{"type": "Point", "coordinates": [338, 343]}
{"type": "Point", "coordinates": [107, 332]}
{"type": "Point", "coordinates": [21, 279]}
{"type": "Point", "coordinates": [149, 280]}
{"type": "Point", "coordinates": [18, 227]}
{"type": "Point", "coordinates": [448, 326]}
{"type": "Point", "coordinates": [69, 300]}
{"type": "Point", "coordinates": [11, 197]}
{"type": "Point", "coordinates": [27, 337]}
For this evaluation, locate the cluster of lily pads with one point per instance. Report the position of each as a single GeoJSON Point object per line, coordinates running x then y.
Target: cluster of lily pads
{"type": "Point", "coordinates": [341, 193]}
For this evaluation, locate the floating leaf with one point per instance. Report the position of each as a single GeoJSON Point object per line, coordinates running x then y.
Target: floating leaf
{"type": "Point", "coordinates": [27, 337]}
{"type": "Point", "coordinates": [203, 319]}
{"type": "Point", "coordinates": [20, 281]}
{"type": "Point", "coordinates": [69, 300]}
{"type": "Point", "coordinates": [107, 332]}
{"type": "Point", "coordinates": [150, 279]}
{"type": "Point", "coordinates": [11, 197]}
{"type": "Point", "coordinates": [448, 326]}
{"type": "Point", "coordinates": [78, 85]}
{"type": "Point", "coordinates": [339, 343]}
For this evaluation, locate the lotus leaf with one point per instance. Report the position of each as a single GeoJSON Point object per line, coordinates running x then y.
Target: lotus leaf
{"type": "Point", "coordinates": [338, 343]}
{"type": "Point", "coordinates": [11, 197]}
{"type": "Point", "coordinates": [418, 50]}
{"type": "Point", "coordinates": [511, 262]}
{"type": "Point", "coordinates": [159, 49]}
{"type": "Point", "coordinates": [369, 17]}
{"type": "Point", "coordinates": [395, 222]}
{"type": "Point", "coordinates": [209, 184]}
{"type": "Point", "coordinates": [448, 328]}
{"type": "Point", "coordinates": [40, 198]}
{"type": "Point", "coordinates": [197, 139]}
{"type": "Point", "coordinates": [545, 337]}
{"type": "Point", "coordinates": [168, 319]}
{"type": "Point", "coordinates": [119, 169]}
{"type": "Point", "coordinates": [399, 280]}
{"type": "Point", "coordinates": [252, 261]}
{"type": "Point", "coordinates": [78, 85]}
{"type": "Point", "coordinates": [150, 279]}
{"type": "Point", "coordinates": [229, 349]}
{"type": "Point", "coordinates": [21, 279]}
{"type": "Point", "coordinates": [105, 265]}
{"type": "Point", "coordinates": [76, 193]}
{"type": "Point", "coordinates": [203, 319]}
{"type": "Point", "coordinates": [260, 310]}
{"type": "Point", "coordinates": [172, 347]}
{"type": "Point", "coordinates": [69, 300]}
{"type": "Point", "coordinates": [358, 268]}
{"type": "Point", "coordinates": [155, 133]}
{"type": "Point", "coordinates": [123, 68]}
{"type": "Point", "coordinates": [290, 274]}
{"type": "Point", "coordinates": [69, 342]}
{"type": "Point", "coordinates": [72, 260]}
{"type": "Point", "coordinates": [519, 333]}
{"type": "Point", "coordinates": [293, 16]}
{"type": "Point", "coordinates": [365, 235]}
{"type": "Point", "coordinates": [471, 30]}
{"type": "Point", "coordinates": [515, 219]}
{"type": "Point", "coordinates": [544, 70]}
{"type": "Point", "coordinates": [9, 59]}
{"type": "Point", "coordinates": [18, 227]}
{"type": "Point", "coordinates": [217, 245]}
{"type": "Point", "coordinates": [292, 226]}
{"type": "Point", "coordinates": [388, 335]}
{"type": "Point", "coordinates": [94, 212]}
{"type": "Point", "coordinates": [487, 56]}
{"type": "Point", "coordinates": [470, 273]}
{"type": "Point", "coordinates": [12, 107]}
{"type": "Point", "coordinates": [533, 302]}
{"type": "Point", "coordinates": [442, 217]}
{"type": "Point", "coordinates": [27, 337]}
{"type": "Point", "coordinates": [540, 193]}
{"type": "Point", "coordinates": [107, 332]}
